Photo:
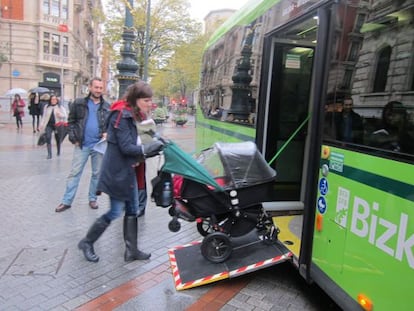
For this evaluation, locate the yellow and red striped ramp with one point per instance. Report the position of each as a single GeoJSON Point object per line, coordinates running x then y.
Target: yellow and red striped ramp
{"type": "Point", "coordinates": [191, 269]}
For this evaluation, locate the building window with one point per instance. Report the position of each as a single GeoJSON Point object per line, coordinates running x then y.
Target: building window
{"type": "Point", "coordinates": [46, 43]}
{"type": "Point", "coordinates": [46, 7]}
{"type": "Point", "coordinates": [347, 78]}
{"type": "Point", "coordinates": [56, 8]}
{"type": "Point", "coordinates": [65, 46]}
{"type": "Point", "coordinates": [382, 69]}
{"type": "Point", "coordinates": [412, 77]}
{"type": "Point", "coordinates": [64, 9]}
{"type": "Point", "coordinates": [359, 22]}
{"type": "Point", "coordinates": [55, 44]}
{"type": "Point", "coordinates": [353, 53]}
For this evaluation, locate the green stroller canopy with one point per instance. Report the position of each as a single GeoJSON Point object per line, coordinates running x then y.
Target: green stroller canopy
{"type": "Point", "coordinates": [180, 163]}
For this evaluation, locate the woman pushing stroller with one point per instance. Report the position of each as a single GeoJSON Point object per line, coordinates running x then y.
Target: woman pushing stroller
{"type": "Point", "coordinates": [118, 175]}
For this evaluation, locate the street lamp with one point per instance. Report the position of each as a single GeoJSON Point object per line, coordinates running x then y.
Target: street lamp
{"type": "Point", "coordinates": [62, 28]}
{"type": "Point", "coordinates": [147, 36]}
{"type": "Point", "coordinates": [6, 11]}
{"type": "Point", "coordinates": [127, 66]}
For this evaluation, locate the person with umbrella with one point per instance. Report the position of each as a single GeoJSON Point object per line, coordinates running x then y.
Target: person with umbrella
{"type": "Point", "coordinates": [52, 115]}
{"type": "Point", "coordinates": [17, 109]}
{"type": "Point", "coordinates": [35, 110]}
{"type": "Point", "coordinates": [43, 101]}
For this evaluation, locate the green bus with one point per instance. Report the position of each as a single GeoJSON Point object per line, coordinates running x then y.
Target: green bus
{"type": "Point", "coordinates": [326, 91]}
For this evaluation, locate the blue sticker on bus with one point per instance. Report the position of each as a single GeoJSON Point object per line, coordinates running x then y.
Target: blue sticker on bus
{"type": "Point", "coordinates": [321, 205]}
{"type": "Point", "coordinates": [323, 186]}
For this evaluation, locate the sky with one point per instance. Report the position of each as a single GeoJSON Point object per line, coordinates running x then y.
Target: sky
{"type": "Point", "coordinates": [200, 8]}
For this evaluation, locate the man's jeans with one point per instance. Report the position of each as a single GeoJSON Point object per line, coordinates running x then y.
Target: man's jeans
{"type": "Point", "coordinates": [80, 158]}
{"type": "Point", "coordinates": [117, 206]}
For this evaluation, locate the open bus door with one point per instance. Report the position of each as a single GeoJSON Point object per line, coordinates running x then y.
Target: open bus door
{"type": "Point", "coordinates": [288, 72]}
{"type": "Point", "coordinates": [294, 79]}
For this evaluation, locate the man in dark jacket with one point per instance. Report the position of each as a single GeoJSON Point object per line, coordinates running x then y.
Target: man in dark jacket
{"type": "Point", "coordinates": [350, 126]}
{"type": "Point", "coordinates": [87, 119]}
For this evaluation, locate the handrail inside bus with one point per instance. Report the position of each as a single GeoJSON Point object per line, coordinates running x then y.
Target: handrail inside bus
{"type": "Point", "coordinates": [289, 139]}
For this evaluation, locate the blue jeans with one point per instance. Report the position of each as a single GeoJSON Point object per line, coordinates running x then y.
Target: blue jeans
{"type": "Point", "coordinates": [117, 206]}
{"type": "Point", "coordinates": [140, 200]}
{"type": "Point", "coordinates": [80, 157]}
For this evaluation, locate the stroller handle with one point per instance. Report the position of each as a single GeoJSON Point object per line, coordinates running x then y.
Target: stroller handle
{"type": "Point", "coordinates": [154, 135]}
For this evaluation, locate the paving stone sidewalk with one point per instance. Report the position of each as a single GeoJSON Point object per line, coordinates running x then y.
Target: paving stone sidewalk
{"type": "Point", "coordinates": [42, 269]}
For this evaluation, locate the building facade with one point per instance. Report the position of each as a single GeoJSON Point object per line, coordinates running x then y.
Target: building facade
{"type": "Point", "coordinates": [49, 43]}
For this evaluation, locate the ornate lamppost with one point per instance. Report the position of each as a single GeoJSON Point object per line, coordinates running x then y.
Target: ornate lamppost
{"type": "Point", "coordinates": [241, 89]}
{"type": "Point", "coordinates": [128, 66]}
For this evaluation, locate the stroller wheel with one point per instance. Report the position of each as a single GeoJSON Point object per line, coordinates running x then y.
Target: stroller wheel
{"type": "Point", "coordinates": [216, 247]}
{"type": "Point", "coordinates": [204, 226]}
{"type": "Point", "coordinates": [171, 211]}
{"type": "Point", "coordinates": [174, 225]}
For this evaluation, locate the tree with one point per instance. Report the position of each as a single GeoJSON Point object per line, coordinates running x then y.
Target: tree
{"type": "Point", "coordinates": [171, 26]}
{"type": "Point", "coordinates": [181, 75]}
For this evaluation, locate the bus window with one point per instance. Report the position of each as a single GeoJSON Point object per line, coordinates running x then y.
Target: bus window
{"type": "Point", "coordinates": [396, 130]}
{"type": "Point", "coordinates": [381, 119]}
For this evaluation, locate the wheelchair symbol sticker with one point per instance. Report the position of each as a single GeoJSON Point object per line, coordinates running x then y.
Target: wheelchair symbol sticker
{"type": "Point", "coordinates": [323, 186]}
{"type": "Point", "coordinates": [321, 205]}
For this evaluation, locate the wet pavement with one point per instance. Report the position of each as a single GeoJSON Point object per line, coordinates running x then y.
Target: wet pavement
{"type": "Point", "coordinates": [42, 269]}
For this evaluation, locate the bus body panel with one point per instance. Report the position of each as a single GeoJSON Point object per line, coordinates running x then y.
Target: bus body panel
{"type": "Point", "coordinates": [357, 234]}
{"type": "Point", "coordinates": [209, 131]}
{"type": "Point", "coordinates": [366, 240]}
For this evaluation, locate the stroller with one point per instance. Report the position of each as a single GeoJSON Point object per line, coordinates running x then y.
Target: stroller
{"type": "Point", "coordinates": [221, 189]}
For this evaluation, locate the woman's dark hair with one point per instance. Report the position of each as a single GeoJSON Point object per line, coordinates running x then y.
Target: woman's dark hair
{"type": "Point", "coordinates": [49, 102]}
{"type": "Point", "coordinates": [393, 107]}
{"type": "Point", "coordinates": [135, 91]}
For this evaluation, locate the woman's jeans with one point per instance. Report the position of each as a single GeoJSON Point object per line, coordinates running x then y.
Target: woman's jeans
{"type": "Point", "coordinates": [19, 121]}
{"type": "Point", "coordinates": [49, 131]}
{"type": "Point", "coordinates": [118, 206]}
{"type": "Point", "coordinates": [80, 157]}
{"type": "Point", "coordinates": [35, 121]}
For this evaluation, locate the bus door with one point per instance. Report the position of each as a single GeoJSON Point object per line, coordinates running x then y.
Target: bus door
{"type": "Point", "coordinates": [284, 137]}
{"type": "Point", "coordinates": [287, 112]}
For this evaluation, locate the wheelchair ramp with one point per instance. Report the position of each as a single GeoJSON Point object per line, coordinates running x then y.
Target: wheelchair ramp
{"type": "Point", "coordinates": [191, 269]}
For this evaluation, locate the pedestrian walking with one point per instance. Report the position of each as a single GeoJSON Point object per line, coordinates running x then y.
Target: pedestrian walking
{"type": "Point", "coordinates": [17, 109]}
{"type": "Point", "coordinates": [43, 101]}
{"type": "Point", "coordinates": [35, 111]}
{"type": "Point", "coordinates": [118, 176]}
{"type": "Point", "coordinates": [146, 130]}
{"type": "Point", "coordinates": [53, 113]}
{"type": "Point", "coordinates": [86, 126]}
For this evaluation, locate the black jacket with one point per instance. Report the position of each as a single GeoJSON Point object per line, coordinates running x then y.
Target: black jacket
{"type": "Point", "coordinates": [117, 171]}
{"type": "Point", "coordinates": [78, 115]}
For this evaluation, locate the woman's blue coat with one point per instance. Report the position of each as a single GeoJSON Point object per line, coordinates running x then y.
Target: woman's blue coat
{"type": "Point", "coordinates": [117, 177]}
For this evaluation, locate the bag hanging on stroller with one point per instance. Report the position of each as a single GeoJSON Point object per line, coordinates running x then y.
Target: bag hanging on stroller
{"type": "Point", "coordinates": [160, 195]}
